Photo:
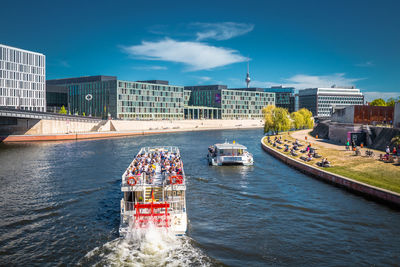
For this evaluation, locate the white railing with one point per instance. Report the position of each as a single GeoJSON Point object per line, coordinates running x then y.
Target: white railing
{"type": "Point", "coordinates": [148, 180]}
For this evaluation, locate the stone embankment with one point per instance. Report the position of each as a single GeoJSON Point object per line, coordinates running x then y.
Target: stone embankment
{"type": "Point", "coordinates": [350, 184]}
{"type": "Point", "coordinates": [49, 130]}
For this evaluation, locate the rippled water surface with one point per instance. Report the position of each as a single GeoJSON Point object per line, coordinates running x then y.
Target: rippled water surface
{"type": "Point", "coordinates": [59, 204]}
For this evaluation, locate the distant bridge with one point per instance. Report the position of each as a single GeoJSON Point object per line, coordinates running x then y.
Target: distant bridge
{"type": "Point", "coordinates": [27, 114]}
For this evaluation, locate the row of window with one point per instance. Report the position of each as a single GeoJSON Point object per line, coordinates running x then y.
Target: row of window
{"type": "Point", "coordinates": [150, 110]}
{"type": "Point", "coordinates": [17, 102]}
{"type": "Point", "coordinates": [10, 66]}
{"type": "Point", "coordinates": [245, 93]}
{"type": "Point", "coordinates": [135, 85]}
{"type": "Point", "coordinates": [12, 75]}
{"type": "Point", "coordinates": [150, 92]}
{"type": "Point", "coordinates": [150, 116]}
{"type": "Point", "coordinates": [151, 98]}
{"type": "Point", "coordinates": [13, 55]}
{"type": "Point", "coordinates": [21, 93]}
{"type": "Point", "coordinates": [248, 102]}
{"type": "Point", "coordinates": [22, 85]}
{"type": "Point", "coordinates": [149, 104]}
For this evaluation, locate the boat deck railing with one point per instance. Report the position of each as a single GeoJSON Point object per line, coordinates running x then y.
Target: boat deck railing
{"type": "Point", "coordinates": [172, 149]}
{"type": "Point", "coordinates": [153, 181]}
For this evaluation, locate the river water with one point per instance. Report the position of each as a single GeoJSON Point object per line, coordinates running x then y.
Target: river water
{"type": "Point", "coordinates": [59, 205]}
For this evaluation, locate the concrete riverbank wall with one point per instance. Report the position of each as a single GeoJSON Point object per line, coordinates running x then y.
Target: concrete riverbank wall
{"type": "Point", "coordinates": [376, 193]}
{"type": "Point", "coordinates": [44, 130]}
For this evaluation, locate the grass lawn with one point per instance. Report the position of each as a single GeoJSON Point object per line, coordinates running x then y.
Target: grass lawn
{"type": "Point", "coordinates": [361, 168]}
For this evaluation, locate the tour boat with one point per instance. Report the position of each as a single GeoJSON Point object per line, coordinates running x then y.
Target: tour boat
{"type": "Point", "coordinates": [154, 187]}
{"type": "Point", "coordinates": [229, 154]}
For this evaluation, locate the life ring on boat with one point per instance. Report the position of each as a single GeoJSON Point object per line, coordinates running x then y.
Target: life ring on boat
{"type": "Point", "coordinates": [176, 179]}
{"type": "Point", "coordinates": [131, 183]}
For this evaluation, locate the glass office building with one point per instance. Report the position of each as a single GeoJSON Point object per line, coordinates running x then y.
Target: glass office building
{"type": "Point", "coordinates": [100, 96]}
{"type": "Point", "coordinates": [284, 97]}
{"type": "Point", "coordinates": [238, 103]}
{"type": "Point", "coordinates": [22, 79]}
{"type": "Point", "coordinates": [102, 89]}
{"type": "Point", "coordinates": [141, 100]}
{"type": "Point", "coordinates": [321, 100]}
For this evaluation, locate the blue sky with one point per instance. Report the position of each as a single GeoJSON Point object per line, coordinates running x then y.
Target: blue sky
{"type": "Point", "coordinates": [294, 43]}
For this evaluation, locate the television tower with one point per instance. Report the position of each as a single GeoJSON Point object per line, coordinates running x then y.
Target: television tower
{"type": "Point", "coordinates": [248, 75]}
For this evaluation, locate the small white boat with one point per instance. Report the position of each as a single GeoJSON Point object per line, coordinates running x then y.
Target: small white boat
{"type": "Point", "coordinates": [154, 188]}
{"type": "Point", "coordinates": [229, 154]}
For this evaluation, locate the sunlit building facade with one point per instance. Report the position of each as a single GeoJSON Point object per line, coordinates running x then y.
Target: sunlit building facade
{"type": "Point", "coordinates": [22, 79]}
{"type": "Point", "coordinates": [237, 103]}
{"type": "Point", "coordinates": [103, 96]}
{"type": "Point", "coordinates": [321, 100]}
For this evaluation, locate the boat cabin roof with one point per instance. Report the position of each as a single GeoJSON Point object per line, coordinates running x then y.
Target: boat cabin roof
{"type": "Point", "coordinates": [229, 146]}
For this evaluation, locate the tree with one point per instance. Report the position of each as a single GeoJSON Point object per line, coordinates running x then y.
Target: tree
{"type": "Point", "coordinates": [378, 102]}
{"type": "Point", "coordinates": [63, 110]}
{"type": "Point", "coordinates": [281, 120]}
{"type": "Point", "coordinates": [297, 120]}
{"type": "Point", "coordinates": [308, 119]}
{"type": "Point", "coordinates": [268, 115]}
{"type": "Point", "coordinates": [390, 102]}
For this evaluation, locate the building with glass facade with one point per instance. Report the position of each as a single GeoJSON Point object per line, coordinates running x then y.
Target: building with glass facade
{"type": "Point", "coordinates": [102, 89]}
{"type": "Point", "coordinates": [140, 100]}
{"type": "Point", "coordinates": [56, 97]}
{"type": "Point", "coordinates": [22, 79]}
{"type": "Point", "coordinates": [284, 97]}
{"type": "Point", "coordinates": [321, 100]}
{"type": "Point", "coordinates": [100, 96]}
{"type": "Point", "coordinates": [238, 103]}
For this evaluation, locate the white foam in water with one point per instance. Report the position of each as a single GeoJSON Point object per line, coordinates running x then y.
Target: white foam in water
{"type": "Point", "coordinates": [147, 247]}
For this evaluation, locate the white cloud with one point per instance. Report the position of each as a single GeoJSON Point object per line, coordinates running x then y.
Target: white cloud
{"type": "Point", "coordinates": [150, 68]}
{"type": "Point", "coordinates": [195, 55]}
{"type": "Point", "coordinates": [310, 81]}
{"type": "Point", "coordinates": [221, 31]}
{"type": "Point", "coordinates": [302, 81]}
{"type": "Point", "coordinates": [365, 64]}
{"type": "Point", "coordinates": [369, 96]}
{"type": "Point", "coordinates": [65, 64]}
{"type": "Point", "coordinates": [205, 78]}
{"type": "Point", "coordinates": [260, 84]}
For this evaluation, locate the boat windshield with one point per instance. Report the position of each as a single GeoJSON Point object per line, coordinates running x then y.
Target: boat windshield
{"type": "Point", "coordinates": [230, 152]}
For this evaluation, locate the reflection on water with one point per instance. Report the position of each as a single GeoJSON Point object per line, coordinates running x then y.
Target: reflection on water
{"type": "Point", "coordinates": [60, 205]}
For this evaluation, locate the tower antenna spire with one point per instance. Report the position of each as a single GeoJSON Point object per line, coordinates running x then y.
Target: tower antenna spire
{"type": "Point", "coordinates": [248, 74]}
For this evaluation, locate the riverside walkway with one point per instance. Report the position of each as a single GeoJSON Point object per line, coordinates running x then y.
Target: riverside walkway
{"type": "Point", "coordinates": [356, 172]}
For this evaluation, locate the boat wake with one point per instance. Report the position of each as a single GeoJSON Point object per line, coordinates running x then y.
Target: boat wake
{"type": "Point", "coordinates": [147, 247]}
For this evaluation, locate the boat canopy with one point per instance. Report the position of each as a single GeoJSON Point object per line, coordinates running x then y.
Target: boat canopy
{"type": "Point", "coordinates": [229, 146]}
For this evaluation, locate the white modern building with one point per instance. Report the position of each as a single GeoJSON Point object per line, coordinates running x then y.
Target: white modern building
{"type": "Point", "coordinates": [321, 100]}
{"type": "Point", "coordinates": [22, 79]}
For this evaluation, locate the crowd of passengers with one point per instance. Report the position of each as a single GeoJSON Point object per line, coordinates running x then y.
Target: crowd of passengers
{"type": "Point", "coordinates": [170, 164]}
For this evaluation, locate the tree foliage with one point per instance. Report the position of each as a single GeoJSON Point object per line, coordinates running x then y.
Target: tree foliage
{"type": "Point", "coordinates": [276, 119]}
{"type": "Point", "coordinates": [281, 120]}
{"type": "Point", "coordinates": [268, 115]}
{"type": "Point", "coordinates": [378, 102]}
{"type": "Point", "coordinates": [63, 110]}
{"type": "Point", "coordinates": [297, 120]}
{"type": "Point", "coordinates": [308, 118]}
{"type": "Point", "coordinates": [390, 102]}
